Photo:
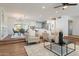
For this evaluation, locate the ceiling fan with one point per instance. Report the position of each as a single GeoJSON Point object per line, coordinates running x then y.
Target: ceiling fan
{"type": "Point", "coordinates": [65, 5]}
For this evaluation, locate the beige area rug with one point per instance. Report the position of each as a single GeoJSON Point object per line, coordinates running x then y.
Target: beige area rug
{"type": "Point", "coordinates": [39, 50]}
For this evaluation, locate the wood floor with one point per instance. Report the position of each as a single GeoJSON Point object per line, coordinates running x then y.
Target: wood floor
{"type": "Point", "coordinates": [73, 38]}
{"type": "Point", "coordinates": [14, 49]}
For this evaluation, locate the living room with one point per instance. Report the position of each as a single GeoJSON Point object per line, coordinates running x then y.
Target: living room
{"type": "Point", "coordinates": [42, 21]}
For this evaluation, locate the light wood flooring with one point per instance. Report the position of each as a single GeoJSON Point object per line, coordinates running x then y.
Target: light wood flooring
{"type": "Point", "coordinates": [12, 47]}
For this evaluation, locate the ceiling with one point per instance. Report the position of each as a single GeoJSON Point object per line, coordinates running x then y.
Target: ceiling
{"type": "Point", "coordinates": [38, 10]}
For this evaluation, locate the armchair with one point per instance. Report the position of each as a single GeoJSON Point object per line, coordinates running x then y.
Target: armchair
{"type": "Point", "coordinates": [31, 37]}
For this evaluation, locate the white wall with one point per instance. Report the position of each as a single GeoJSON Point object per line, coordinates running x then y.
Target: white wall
{"type": "Point", "coordinates": [12, 21]}
{"type": "Point", "coordinates": [62, 24]}
{"type": "Point", "coordinates": [76, 26]}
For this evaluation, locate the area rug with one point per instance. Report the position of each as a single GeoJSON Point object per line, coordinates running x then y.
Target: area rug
{"type": "Point", "coordinates": [39, 50]}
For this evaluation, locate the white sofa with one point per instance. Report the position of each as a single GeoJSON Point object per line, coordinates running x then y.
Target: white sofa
{"type": "Point", "coordinates": [51, 36]}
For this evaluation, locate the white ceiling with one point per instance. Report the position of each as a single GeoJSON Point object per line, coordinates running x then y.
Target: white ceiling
{"type": "Point", "coordinates": [35, 10]}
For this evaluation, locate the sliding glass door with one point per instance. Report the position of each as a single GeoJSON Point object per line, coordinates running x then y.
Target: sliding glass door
{"type": "Point", "coordinates": [2, 30]}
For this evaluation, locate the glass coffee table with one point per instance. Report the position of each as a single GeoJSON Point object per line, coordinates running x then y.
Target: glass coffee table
{"type": "Point", "coordinates": [61, 50]}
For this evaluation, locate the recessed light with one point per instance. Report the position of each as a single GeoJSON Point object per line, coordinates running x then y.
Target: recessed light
{"type": "Point", "coordinates": [56, 11]}
{"type": "Point", "coordinates": [43, 7]}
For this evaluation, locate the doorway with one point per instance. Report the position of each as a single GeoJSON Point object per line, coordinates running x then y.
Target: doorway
{"type": "Point", "coordinates": [70, 27]}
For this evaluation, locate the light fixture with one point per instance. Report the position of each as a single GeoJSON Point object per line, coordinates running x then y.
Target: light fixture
{"type": "Point", "coordinates": [43, 7]}
{"type": "Point", "coordinates": [65, 7]}
{"type": "Point", "coordinates": [56, 11]}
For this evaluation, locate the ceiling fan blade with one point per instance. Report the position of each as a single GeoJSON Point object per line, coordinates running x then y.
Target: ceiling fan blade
{"type": "Point", "coordinates": [58, 6]}
{"type": "Point", "coordinates": [72, 4]}
{"type": "Point", "coordinates": [66, 4]}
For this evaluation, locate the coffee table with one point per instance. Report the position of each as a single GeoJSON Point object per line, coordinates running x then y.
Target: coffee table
{"type": "Point", "coordinates": [61, 50]}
